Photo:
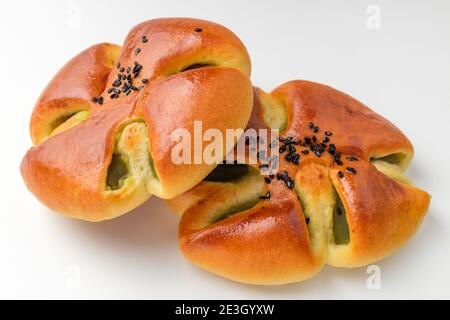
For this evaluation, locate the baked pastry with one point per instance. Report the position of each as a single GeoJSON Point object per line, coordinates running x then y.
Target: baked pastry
{"type": "Point", "coordinates": [102, 127]}
{"type": "Point", "coordinates": [340, 196]}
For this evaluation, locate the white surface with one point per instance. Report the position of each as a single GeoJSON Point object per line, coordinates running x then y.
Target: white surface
{"type": "Point", "coordinates": [401, 70]}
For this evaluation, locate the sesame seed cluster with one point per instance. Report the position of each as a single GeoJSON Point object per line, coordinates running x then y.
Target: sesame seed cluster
{"type": "Point", "coordinates": [293, 150]}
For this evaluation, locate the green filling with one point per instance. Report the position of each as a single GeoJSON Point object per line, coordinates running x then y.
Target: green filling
{"type": "Point", "coordinates": [73, 117]}
{"type": "Point", "coordinates": [392, 171]}
{"type": "Point", "coordinates": [394, 158]}
{"type": "Point", "coordinates": [236, 209]}
{"type": "Point", "coordinates": [117, 172]}
{"type": "Point", "coordinates": [250, 188]}
{"type": "Point", "coordinates": [198, 66]}
{"type": "Point", "coordinates": [61, 120]}
{"type": "Point", "coordinates": [302, 205]}
{"type": "Point", "coordinates": [152, 166]}
{"type": "Point", "coordinates": [227, 172]}
{"type": "Point", "coordinates": [275, 114]}
{"type": "Point", "coordinates": [340, 226]}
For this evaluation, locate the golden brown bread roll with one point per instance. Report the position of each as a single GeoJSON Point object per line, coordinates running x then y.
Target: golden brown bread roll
{"type": "Point", "coordinates": [102, 126]}
{"type": "Point", "coordinates": [343, 200]}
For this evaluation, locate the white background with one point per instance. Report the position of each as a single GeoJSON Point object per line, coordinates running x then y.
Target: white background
{"type": "Point", "coordinates": [401, 70]}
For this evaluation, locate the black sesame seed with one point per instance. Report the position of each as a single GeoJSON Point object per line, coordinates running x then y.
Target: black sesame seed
{"type": "Point", "coordinates": [332, 149]}
{"type": "Point", "coordinates": [117, 83]}
{"type": "Point", "coordinates": [317, 150]}
{"type": "Point", "coordinates": [114, 96]}
{"type": "Point", "coordinates": [340, 174]}
{"type": "Point", "coordinates": [137, 51]}
{"type": "Point", "coordinates": [98, 99]}
{"type": "Point", "coordinates": [289, 156]}
{"type": "Point", "coordinates": [137, 68]}
{"type": "Point", "coordinates": [307, 140]}
{"type": "Point", "coordinates": [122, 69]}
{"type": "Point", "coordinates": [198, 29]}
{"type": "Point", "coordinates": [323, 145]}
{"type": "Point", "coordinates": [352, 158]}
{"type": "Point", "coordinates": [326, 139]}
{"type": "Point", "coordinates": [128, 69]}
{"type": "Point", "coordinates": [351, 170]}
{"type": "Point", "coordinates": [316, 129]}
{"type": "Point", "coordinates": [266, 196]}
{"type": "Point", "coordinates": [311, 125]}
{"type": "Point", "coordinates": [339, 211]}
{"type": "Point", "coordinates": [144, 39]}
{"type": "Point", "coordinates": [291, 148]}
{"type": "Point", "coordinates": [144, 80]}
{"type": "Point", "coordinates": [282, 176]}
{"type": "Point", "coordinates": [282, 149]}
{"type": "Point", "coordinates": [118, 65]}
{"type": "Point", "coordinates": [337, 159]}
{"type": "Point", "coordinates": [296, 159]}
{"type": "Point", "coordinates": [288, 140]}
{"type": "Point", "coordinates": [271, 176]}
{"type": "Point", "coordinates": [126, 87]}
{"type": "Point", "coordinates": [261, 155]}
{"type": "Point", "coordinates": [328, 133]}
{"type": "Point", "coordinates": [307, 220]}
{"type": "Point", "coordinates": [267, 180]}
{"type": "Point", "coordinates": [289, 183]}
{"type": "Point", "coordinates": [305, 152]}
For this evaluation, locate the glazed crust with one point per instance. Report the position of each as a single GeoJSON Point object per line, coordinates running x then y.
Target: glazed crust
{"type": "Point", "coordinates": [290, 236]}
{"type": "Point", "coordinates": [190, 70]}
{"type": "Point", "coordinates": [72, 88]}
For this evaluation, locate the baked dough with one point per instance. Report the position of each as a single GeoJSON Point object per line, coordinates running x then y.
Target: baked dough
{"type": "Point", "coordinates": [102, 126]}
{"type": "Point", "coordinates": [346, 205]}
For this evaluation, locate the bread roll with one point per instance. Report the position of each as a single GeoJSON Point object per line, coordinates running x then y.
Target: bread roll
{"type": "Point", "coordinates": [344, 201]}
{"type": "Point", "coordinates": [102, 126]}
